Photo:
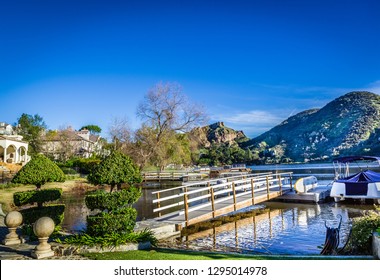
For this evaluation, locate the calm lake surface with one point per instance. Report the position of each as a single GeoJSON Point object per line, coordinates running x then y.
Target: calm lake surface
{"type": "Point", "coordinates": [288, 228]}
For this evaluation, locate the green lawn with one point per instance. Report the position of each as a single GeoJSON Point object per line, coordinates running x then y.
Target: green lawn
{"type": "Point", "coordinates": [169, 254]}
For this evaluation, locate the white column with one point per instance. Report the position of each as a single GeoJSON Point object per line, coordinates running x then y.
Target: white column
{"type": "Point", "coordinates": [5, 153]}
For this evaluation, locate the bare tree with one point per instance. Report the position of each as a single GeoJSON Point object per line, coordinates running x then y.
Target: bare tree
{"type": "Point", "coordinates": [166, 110]}
{"type": "Point", "coordinates": [121, 134]}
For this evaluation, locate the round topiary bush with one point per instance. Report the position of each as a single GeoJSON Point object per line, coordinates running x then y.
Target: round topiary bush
{"type": "Point", "coordinates": [115, 170]}
{"type": "Point", "coordinates": [38, 171]}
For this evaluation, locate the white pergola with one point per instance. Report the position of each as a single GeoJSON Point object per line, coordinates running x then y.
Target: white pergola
{"type": "Point", "coordinates": [13, 150]}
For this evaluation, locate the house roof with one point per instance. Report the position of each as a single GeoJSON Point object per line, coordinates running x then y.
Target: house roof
{"type": "Point", "coordinates": [70, 135]}
{"type": "Point", "coordinates": [2, 137]}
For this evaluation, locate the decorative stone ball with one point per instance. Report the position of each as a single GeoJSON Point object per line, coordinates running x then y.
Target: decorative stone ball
{"type": "Point", "coordinates": [43, 227]}
{"type": "Point", "coordinates": [13, 219]}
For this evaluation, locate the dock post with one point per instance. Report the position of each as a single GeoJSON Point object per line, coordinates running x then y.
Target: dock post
{"type": "Point", "coordinates": [253, 191]}
{"type": "Point", "coordinates": [267, 179]}
{"type": "Point", "coordinates": [280, 183]}
{"type": "Point", "coordinates": [234, 193]}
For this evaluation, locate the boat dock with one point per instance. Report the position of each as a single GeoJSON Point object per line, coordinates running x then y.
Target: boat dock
{"type": "Point", "coordinates": [196, 202]}
{"type": "Point", "coordinates": [318, 195]}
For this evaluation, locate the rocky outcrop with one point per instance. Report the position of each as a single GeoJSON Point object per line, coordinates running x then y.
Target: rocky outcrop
{"type": "Point", "coordinates": [217, 133]}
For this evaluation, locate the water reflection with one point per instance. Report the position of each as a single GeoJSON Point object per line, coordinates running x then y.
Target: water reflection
{"type": "Point", "coordinates": [285, 229]}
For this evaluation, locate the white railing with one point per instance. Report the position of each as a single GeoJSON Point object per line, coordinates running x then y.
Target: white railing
{"type": "Point", "coordinates": [195, 196]}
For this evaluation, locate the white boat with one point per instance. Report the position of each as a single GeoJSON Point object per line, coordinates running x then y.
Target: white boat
{"type": "Point", "coordinates": [363, 185]}
{"type": "Point", "coordinates": [306, 184]}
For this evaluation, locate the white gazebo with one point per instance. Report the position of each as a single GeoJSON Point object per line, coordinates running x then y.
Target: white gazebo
{"type": "Point", "coordinates": [13, 149]}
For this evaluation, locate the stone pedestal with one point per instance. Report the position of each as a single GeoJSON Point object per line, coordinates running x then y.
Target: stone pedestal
{"type": "Point", "coordinates": [12, 220]}
{"type": "Point", "coordinates": [1, 211]}
{"type": "Point", "coordinates": [376, 245]}
{"type": "Point", "coordinates": [43, 228]}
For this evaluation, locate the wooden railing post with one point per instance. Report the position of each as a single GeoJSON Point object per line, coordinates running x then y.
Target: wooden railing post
{"type": "Point", "coordinates": [280, 183]}
{"type": "Point", "coordinates": [253, 192]}
{"type": "Point", "coordinates": [209, 190]}
{"type": "Point", "coordinates": [212, 202]}
{"type": "Point", "coordinates": [186, 209]}
{"type": "Point", "coordinates": [290, 181]}
{"type": "Point", "coordinates": [158, 204]}
{"type": "Point", "coordinates": [267, 179]}
{"type": "Point", "coordinates": [234, 193]}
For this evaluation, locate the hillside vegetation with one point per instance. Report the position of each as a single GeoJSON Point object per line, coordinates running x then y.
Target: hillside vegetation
{"type": "Point", "coordinates": [348, 125]}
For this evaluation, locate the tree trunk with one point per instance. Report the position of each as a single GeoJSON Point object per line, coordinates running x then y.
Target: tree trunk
{"type": "Point", "coordinates": [39, 204]}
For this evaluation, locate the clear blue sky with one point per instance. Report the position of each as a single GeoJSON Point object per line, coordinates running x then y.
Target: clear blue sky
{"type": "Point", "coordinates": [250, 63]}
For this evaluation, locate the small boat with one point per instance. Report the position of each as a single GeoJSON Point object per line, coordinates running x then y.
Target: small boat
{"type": "Point", "coordinates": [363, 185]}
{"type": "Point", "coordinates": [306, 184]}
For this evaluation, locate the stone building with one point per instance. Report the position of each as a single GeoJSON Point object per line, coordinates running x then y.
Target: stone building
{"type": "Point", "coordinates": [12, 148]}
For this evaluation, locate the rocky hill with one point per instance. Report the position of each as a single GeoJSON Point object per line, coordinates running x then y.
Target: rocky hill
{"type": "Point", "coordinates": [217, 133]}
{"type": "Point", "coordinates": [349, 124]}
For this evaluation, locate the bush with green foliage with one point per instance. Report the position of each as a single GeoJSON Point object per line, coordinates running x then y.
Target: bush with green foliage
{"type": "Point", "coordinates": [68, 170]}
{"type": "Point", "coordinates": [31, 215]}
{"type": "Point", "coordinates": [38, 171]}
{"type": "Point", "coordinates": [122, 221]}
{"type": "Point", "coordinates": [115, 170]}
{"type": "Point", "coordinates": [81, 165]}
{"type": "Point", "coordinates": [36, 196]}
{"type": "Point", "coordinates": [111, 239]}
{"type": "Point", "coordinates": [362, 231]}
{"type": "Point", "coordinates": [112, 201]}
{"type": "Point", "coordinates": [117, 213]}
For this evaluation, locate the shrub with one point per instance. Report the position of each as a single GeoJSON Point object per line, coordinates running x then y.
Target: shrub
{"type": "Point", "coordinates": [112, 201]}
{"type": "Point", "coordinates": [36, 196]}
{"type": "Point", "coordinates": [38, 171]}
{"type": "Point", "coordinates": [115, 170]}
{"type": "Point", "coordinates": [362, 230]}
{"type": "Point", "coordinates": [31, 215]}
{"type": "Point", "coordinates": [122, 221]}
{"type": "Point", "coordinates": [68, 171]}
{"type": "Point", "coordinates": [111, 239]}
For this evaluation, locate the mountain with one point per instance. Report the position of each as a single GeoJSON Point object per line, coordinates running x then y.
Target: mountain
{"type": "Point", "coordinates": [349, 124]}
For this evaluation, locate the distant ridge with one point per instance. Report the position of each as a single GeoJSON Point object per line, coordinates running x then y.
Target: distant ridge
{"type": "Point", "coordinates": [347, 125]}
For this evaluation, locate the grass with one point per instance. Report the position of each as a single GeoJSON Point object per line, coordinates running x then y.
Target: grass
{"type": "Point", "coordinates": [170, 254]}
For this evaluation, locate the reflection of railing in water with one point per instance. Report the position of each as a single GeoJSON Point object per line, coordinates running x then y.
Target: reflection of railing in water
{"type": "Point", "coordinates": [204, 203]}
{"type": "Point", "coordinates": [254, 233]}
{"type": "Point", "coordinates": [234, 226]}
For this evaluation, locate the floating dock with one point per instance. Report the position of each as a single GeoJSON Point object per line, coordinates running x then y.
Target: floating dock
{"type": "Point", "coordinates": [319, 194]}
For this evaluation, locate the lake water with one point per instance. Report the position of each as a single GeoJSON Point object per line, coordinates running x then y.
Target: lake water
{"type": "Point", "coordinates": [288, 228]}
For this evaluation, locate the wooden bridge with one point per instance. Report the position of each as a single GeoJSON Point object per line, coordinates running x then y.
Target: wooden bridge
{"type": "Point", "coordinates": [173, 176]}
{"type": "Point", "coordinates": [196, 202]}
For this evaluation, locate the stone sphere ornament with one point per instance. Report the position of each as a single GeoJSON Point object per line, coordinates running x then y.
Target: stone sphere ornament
{"type": "Point", "coordinates": [43, 228]}
{"type": "Point", "coordinates": [12, 220]}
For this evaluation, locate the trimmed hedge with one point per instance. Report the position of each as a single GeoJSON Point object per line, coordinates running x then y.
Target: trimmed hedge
{"type": "Point", "coordinates": [36, 196]}
{"type": "Point", "coordinates": [122, 221]}
{"type": "Point", "coordinates": [38, 171]}
{"type": "Point", "coordinates": [31, 215]}
{"type": "Point", "coordinates": [112, 201]}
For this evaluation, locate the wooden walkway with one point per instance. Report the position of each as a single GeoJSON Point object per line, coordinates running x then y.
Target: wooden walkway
{"type": "Point", "coordinates": [193, 203]}
{"type": "Point", "coordinates": [173, 176]}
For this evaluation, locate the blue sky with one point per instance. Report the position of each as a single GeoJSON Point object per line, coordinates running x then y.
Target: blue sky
{"type": "Point", "coordinates": [251, 64]}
